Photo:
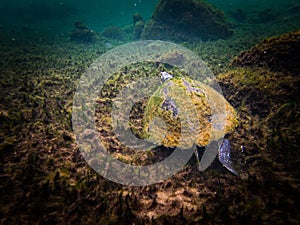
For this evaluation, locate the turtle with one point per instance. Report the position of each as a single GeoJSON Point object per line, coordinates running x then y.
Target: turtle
{"type": "Point", "coordinates": [182, 101]}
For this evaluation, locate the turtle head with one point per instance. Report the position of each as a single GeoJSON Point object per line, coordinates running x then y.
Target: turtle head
{"type": "Point", "coordinates": [164, 76]}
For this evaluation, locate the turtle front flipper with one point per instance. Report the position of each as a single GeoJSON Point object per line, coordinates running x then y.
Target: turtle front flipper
{"type": "Point", "coordinates": [224, 155]}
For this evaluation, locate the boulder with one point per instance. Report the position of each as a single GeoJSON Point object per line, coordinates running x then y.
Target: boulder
{"type": "Point", "coordinates": [82, 34]}
{"type": "Point", "coordinates": [138, 24]}
{"type": "Point", "coordinates": [114, 33]}
{"type": "Point", "coordinates": [186, 20]}
{"type": "Point", "coordinates": [278, 54]}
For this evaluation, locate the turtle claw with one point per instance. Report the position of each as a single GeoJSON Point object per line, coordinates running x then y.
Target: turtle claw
{"type": "Point", "coordinates": [224, 155]}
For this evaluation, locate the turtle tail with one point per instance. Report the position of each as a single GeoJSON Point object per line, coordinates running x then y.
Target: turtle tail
{"type": "Point", "coordinates": [224, 155]}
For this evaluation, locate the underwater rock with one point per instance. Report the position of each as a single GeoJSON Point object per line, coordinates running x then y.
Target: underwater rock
{"type": "Point", "coordinates": [80, 25]}
{"type": "Point", "coordinates": [269, 110]}
{"type": "Point", "coordinates": [279, 54]}
{"type": "Point", "coordinates": [114, 32]}
{"type": "Point", "coordinates": [186, 20]}
{"type": "Point", "coordinates": [81, 33]}
{"type": "Point", "coordinates": [138, 24]}
{"type": "Point", "coordinates": [136, 18]}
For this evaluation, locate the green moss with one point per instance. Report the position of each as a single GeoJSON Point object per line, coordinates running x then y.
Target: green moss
{"type": "Point", "coordinates": [279, 54]}
{"type": "Point", "coordinates": [163, 127]}
{"type": "Point", "coordinates": [269, 108]}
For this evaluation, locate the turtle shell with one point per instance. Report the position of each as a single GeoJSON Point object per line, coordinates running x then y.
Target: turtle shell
{"type": "Point", "coordinates": [183, 112]}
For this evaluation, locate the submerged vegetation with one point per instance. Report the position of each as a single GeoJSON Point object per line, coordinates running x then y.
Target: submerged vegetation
{"type": "Point", "coordinates": [45, 180]}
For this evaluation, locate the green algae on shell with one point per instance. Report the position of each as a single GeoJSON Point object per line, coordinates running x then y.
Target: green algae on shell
{"type": "Point", "coordinates": [183, 101]}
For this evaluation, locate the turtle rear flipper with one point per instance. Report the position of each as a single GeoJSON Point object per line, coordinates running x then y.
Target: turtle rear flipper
{"type": "Point", "coordinates": [224, 155]}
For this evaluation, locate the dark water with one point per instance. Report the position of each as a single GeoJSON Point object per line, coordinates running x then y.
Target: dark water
{"type": "Point", "coordinates": [59, 16]}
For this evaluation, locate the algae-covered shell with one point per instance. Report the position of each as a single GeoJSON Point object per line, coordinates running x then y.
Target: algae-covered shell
{"type": "Point", "coordinates": [181, 102]}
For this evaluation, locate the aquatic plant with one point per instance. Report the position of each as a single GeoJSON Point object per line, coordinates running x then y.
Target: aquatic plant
{"type": "Point", "coordinates": [44, 175]}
